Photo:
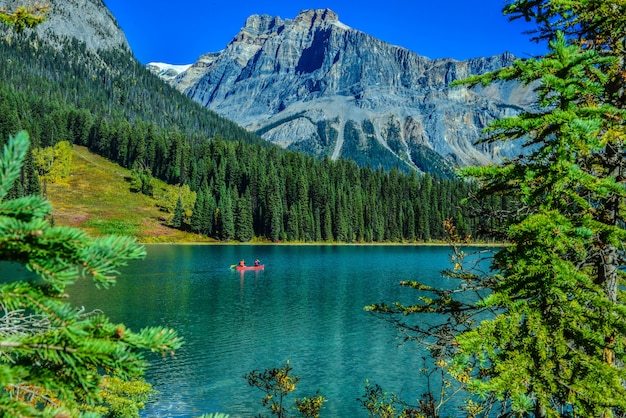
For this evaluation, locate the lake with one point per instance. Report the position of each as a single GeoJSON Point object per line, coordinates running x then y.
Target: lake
{"type": "Point", "coordinates": [305, 307]}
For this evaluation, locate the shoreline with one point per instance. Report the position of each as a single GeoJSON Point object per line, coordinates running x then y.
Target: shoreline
{"type": "Point", "coordinates": [386, 244]}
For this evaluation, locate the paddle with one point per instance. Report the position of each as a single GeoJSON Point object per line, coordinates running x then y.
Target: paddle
{"type": "Point", "coordinates": [232, 266]}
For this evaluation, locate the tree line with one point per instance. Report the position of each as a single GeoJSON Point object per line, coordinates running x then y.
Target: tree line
{"type": "Point", "coordinates": [245, 187]}
{"type": "Point", "coordinates": [542, 334]}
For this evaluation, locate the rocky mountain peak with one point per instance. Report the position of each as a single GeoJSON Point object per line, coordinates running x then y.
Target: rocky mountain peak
{"type": "Point", "coordinates": [315, 85]}
{"type": "Point", "coordinates": [261, 24]}
{"type": "Point", "coordinates": [259, 28]}
{"type": "Point", "coordinates": [313, 17]}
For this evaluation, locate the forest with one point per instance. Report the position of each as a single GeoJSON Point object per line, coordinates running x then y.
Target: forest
{"type": "Point", "coordinates": [244, 187]}
{"type": "Point", "coordinates": [541, 333]}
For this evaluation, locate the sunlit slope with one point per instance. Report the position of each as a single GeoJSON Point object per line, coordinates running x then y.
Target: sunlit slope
{"type": "Point", "coordinates": [97, 197]}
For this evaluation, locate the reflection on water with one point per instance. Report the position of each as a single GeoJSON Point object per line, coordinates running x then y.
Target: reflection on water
{"type": "Point", "coordinates": [305, 307]}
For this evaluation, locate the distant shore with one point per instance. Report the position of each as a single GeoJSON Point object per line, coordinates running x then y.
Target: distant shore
{"type": "Point", "coordinates": [417, 244]}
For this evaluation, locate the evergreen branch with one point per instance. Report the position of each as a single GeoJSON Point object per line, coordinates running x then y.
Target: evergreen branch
{"type": "Point", "coordinates": [11, 161]}
{"type": "Point", "coordinates": [22, 345]}
{"type": "Point", "coordinates": [35, 393]}
{"type": "Point", "coordinates": [25, 208]}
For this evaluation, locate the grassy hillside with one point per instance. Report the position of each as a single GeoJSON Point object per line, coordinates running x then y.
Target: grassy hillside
{"type": "Point", "coordinates": [97, 197]}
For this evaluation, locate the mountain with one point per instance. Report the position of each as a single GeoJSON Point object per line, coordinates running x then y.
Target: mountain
{"type": "Point", "coordinates": [231, 184]}
{"type": "Point", "coordinates": [314, 84]}
{"type": "Point", "coordinates": [80, 58]}
{"type": "Point", "coordinates": [166, 71]}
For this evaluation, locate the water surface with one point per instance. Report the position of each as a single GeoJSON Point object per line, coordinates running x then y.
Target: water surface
{"type": "Point", "coordinates": [305, 307]}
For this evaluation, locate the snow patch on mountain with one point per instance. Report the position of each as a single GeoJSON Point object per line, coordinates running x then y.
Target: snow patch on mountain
{"type": "Point", "coordinates": [167, 71]}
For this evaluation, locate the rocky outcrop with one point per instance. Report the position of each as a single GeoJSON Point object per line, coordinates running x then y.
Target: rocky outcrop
{"type": "Point", "coordinates": [314, 84]}
{"type": "Point", "coordinates": [88, 21]}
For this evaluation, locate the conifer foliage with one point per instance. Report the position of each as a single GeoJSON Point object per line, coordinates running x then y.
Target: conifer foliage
{"type": "Point", "coordinates": [53, 356]}
{"type": "Point", "coordinates": [545, 334]}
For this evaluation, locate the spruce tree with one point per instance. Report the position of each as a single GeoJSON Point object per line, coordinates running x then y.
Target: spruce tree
{"type": "Point", "coordinates": [291, 228]}
{"type": "Point", "coordinates": [545, 334]}
{"type": "Point", "coordinates": [177, 219]}
{"type": "Point", "coordinates": [198, 213]}
{"type": "Point", "coordinates": [53, 354]}
{"type": "Point", "coordinates": [208, 215]}
{"type": "Point", "coordinates": [327, 226]}
{"type": "Point", "coordinates": [274, 214]}
{"type": "Point", "coordinates": [559, 338]}
{"type": "Point", "coordinates": [226, 216]}
{"type": "Point", "coordinates": [244, 229]}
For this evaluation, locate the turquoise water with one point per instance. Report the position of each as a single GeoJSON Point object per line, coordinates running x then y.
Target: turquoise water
{"type": "Point", "coordinates": [305, 307]}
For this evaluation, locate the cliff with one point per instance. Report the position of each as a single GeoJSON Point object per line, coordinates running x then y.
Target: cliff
{"type": "Point", "coordinates": [313, 84]}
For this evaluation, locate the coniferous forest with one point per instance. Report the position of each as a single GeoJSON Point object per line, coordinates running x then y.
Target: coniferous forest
{"type": "Point", "coordinates": [541, 333]}
{"type": "Point", "coordinates": [245, 187]}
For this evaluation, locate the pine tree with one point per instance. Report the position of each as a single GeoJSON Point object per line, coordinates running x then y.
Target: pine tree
{"type": "Point", "coordinates": [177, 219]}
{"type": "Point", "coordinates": [9, 117]}
{"type": "Point", "coordinates": [327, 226]}
{"type": "Point", "coordinates": [562, 326]}
{"type": "Point", "coordinates": [292, 228]}
{"type": "Point", "coordinates": [226, 216]}
{"type": "Point", "coordinates": [54, 357]}
{"type": "Point", "coordinates": [208, 215]}
{"type": "Point", "coordinates": [197, 215]}
{"type": "Point", "coordinates": [32, 183]}
{"type": "Point", "coordinates": [244, 230]}
{"type": "Point", "coordinates": [275, 207]}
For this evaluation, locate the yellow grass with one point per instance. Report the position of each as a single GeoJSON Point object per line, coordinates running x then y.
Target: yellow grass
{"type": "Point", "coordinates": [97, 198]}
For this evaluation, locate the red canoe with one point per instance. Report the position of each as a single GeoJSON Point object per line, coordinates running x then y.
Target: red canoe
{"type": "Point", "coordinates": [240, 268]}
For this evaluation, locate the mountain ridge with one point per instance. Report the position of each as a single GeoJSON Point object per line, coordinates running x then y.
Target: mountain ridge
{"type": "Point", "coordinates": [316, 85]}
{"type": "Point", "coordinates": [110, 103]}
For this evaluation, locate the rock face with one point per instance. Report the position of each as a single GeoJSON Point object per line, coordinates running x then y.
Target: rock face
{"type": "Point", "coordinates": [88, 21]}
{"type": "Point", "coordinates": [316, 85]}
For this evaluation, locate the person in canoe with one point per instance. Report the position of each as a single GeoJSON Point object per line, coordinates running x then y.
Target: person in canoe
{"type": "Point", "coordinates": [257, 262]}
{"type": "Point", "coordinates": [242, 263]}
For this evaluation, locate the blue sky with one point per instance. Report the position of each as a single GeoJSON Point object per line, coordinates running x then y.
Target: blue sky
{"type": "Point", "coordinates": [178, 32]}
